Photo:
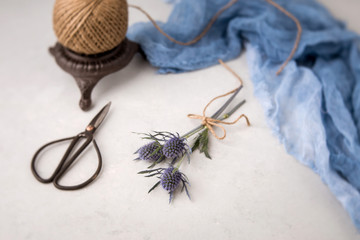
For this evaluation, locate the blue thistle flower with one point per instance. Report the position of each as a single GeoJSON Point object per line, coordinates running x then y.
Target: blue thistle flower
{"type": "Point", "coordinates": [170, 179]}
{"type": "Point", "coordinates": [174, 147]}
{"type": "Point", "coordinates": [165, 145]}
{"type": "Point", "coordinates": [150, 152]}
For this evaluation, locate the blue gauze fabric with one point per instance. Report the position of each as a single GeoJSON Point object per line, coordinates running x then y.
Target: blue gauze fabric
{"type": "Point", "coordinates": [313, 106]}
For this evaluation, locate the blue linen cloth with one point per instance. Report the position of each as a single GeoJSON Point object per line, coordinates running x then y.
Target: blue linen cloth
{"type": "Point", "coordinates": [313, 106]}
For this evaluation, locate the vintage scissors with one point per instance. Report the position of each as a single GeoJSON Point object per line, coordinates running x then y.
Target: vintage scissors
{"type": "Point", "coordinates": [66, 162]}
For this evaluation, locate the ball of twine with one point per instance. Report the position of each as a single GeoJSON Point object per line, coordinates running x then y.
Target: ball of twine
{"type": "Point", "coordinates": [90, 26]}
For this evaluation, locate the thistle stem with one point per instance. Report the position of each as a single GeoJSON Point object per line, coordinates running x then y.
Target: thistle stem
{"type": "Point", "coordinates": [192, 132]}
{"type": "Point", "coordinates": [179, 164]}
{"type": "Point", "coordinates": [218, 112]}
{"type": "Point", "coordinates": [234, 109]}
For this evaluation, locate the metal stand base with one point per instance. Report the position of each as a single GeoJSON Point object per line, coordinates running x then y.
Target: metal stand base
{"type": "Point", "coordinates": [88, 70]}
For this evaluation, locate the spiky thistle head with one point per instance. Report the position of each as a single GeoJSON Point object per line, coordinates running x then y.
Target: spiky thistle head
{"type": "Point", "coordinates": [170, 179]}
{"type": "Point", "coordinates": [150, 151]}
{"type": "Point", "coordinates": [167, 144]}
{"type": "Point", "coordinates": [174, 147]}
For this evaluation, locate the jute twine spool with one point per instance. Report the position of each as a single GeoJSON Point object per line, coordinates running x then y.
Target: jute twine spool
{"type": "Point", "coordinates": [90, 26]}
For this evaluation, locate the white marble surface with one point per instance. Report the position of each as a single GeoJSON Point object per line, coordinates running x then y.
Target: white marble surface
{"type": "Point", "coordinates": [252, 189]}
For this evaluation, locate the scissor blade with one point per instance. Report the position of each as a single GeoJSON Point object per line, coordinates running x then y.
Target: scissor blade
{"type": "Point", "coordinates": [99, 118]}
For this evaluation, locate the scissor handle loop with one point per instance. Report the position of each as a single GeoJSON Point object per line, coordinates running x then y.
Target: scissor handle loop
{"type": "Point", "coordinates": [65, 163]}
{"type": "Point", "coordinates": [33, 161]}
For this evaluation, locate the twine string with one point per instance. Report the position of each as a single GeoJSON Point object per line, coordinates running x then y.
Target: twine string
{"type": "Point", "coordinates": [209, 122]}
{"type": "Point", "coordinates": [298, 35]}
{"type": "Point", "coordinates": [197, 38]}
{"type": "Point", "coordinates": [216, 16]}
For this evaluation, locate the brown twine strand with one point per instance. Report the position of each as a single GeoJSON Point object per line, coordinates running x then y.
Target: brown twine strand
{"type": "Point", "coordinates": [214, 18]}
{"type": "Point", "coordinates": [298, 35]}
{"type": "Point", "coordinates": [209, 122]}
{"type": "Point", "coordinates": [197, 38]}
{"type": "Point", "coordinates": [90, 26]}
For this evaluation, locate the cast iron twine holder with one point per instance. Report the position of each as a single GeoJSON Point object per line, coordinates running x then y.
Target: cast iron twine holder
{"type": "Point", "coordinates": [88, 70]}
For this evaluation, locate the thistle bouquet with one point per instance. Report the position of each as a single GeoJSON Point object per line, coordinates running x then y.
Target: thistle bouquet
{"type": "Point", "coordinates": [173, 148]}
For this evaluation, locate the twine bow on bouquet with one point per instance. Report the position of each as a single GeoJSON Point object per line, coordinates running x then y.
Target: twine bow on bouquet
{"type": "Point", "coordinates": [210, 122]}
{"type": "Point", "coordinates": [165, 146]}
